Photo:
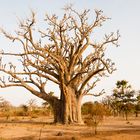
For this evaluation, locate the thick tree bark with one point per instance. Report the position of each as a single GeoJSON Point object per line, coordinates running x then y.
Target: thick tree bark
{"type": "Point", "coordinates": [68, 109]}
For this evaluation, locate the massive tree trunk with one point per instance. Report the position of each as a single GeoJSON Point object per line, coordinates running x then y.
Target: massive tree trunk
{"type": "Point", "coordinates": [68, 108]}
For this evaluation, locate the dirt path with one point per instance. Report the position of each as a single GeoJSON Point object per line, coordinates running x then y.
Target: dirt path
{"type": "Point", "coordinates": [110, 129]}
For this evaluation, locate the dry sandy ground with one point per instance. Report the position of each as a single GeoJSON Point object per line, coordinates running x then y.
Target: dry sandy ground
{"type": "Point", "coordinates": [110, 129]}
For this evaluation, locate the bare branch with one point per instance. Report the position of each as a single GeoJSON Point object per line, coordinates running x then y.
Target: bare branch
{"type": "Point", "coordinates": [97, 94]}
{"type": "Point", "coordinates": [59, 54]}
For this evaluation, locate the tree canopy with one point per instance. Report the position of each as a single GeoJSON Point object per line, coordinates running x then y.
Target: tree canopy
{"type": "Point", "coordinates": [58, 54]}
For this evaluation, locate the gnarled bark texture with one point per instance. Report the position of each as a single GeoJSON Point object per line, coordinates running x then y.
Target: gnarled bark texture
{"type": "Point", "coordinates": [67, 109]}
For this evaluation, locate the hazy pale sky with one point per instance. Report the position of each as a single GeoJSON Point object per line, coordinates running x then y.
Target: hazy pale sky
{"type": "Point", "coordinates": [124, 16]}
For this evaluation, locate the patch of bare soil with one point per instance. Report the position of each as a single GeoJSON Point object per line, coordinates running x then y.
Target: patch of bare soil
{"type": "Point", "coordinates": [110, 129]}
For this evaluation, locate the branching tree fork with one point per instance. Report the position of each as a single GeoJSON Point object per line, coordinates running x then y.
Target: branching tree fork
{"type": "Point", "coordinates": [58, 54]}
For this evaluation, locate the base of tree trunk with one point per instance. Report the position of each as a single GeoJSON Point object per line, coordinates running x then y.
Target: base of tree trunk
{"type": "Point", "coordinates": [67, 113]}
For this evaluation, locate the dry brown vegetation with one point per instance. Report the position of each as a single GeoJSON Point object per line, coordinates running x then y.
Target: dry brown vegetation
{"type": "Point", "coordinates": [112, 128]}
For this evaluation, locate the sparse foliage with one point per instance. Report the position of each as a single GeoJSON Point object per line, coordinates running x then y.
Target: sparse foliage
{"type": "Point", "coordinates": [124, 97]}
{"type": "Point", "coordinates": [58, 54]}
{"type": "Point", "coordinates": [24, 110]}
{"type": "Point", "coordinates": [5, 108]}
{"type": "Point", "coordinates": [137, 105]}
{"type": "Point", "coordinates": [95, 113]}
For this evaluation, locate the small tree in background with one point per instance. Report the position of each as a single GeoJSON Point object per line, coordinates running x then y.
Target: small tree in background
{"type": "Point", "coordinates": [108, 103]}
{"type": "Point", "coordinates": [5, 107]}
{"type": "Point", "coordinates": [137, 105]}
{"type": "Point", "coordinates": [31, 104]}
{"type": "Point", "coordinates": [124, 97]}
{"type": "Point", "coordinates": [24, 109]}
{"type": "Point", "coordinates": [31, 107]}
{"type": "Point", "coordinates": [94, 114]}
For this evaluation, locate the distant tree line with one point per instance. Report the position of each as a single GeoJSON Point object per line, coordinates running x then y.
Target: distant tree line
{"type": "Point", "coordinates": [123, 101]}
{"type": "Point", "coordinates": [31, 109]}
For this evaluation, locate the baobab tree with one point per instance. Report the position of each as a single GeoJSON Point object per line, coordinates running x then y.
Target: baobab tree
{"type": "Point", "coordinates": [59, 54]}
